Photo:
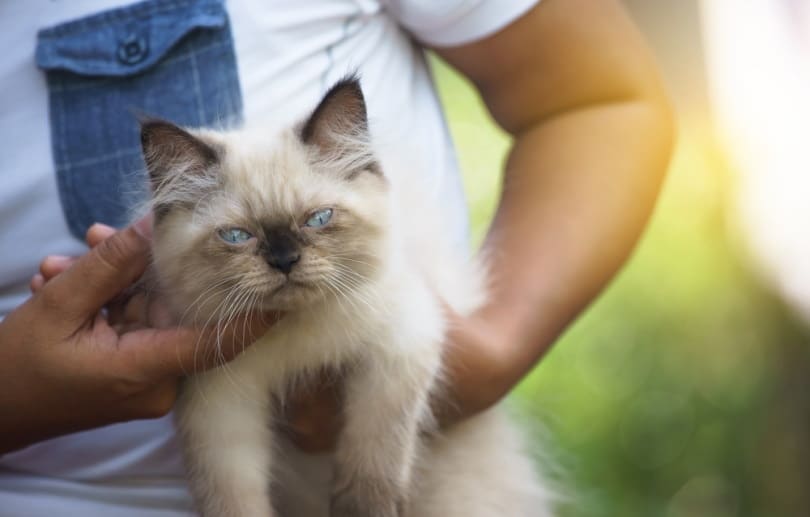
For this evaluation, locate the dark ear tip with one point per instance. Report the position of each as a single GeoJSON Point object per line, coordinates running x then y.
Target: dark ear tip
{"type": "Point", "coordinates": [350, 83]}
{"type": "Point", "coordinates": [145, 119]}
{"type": "Point", "coordinates": [151, 126]}
{"type": "Point", "coordinates": [150, 122]}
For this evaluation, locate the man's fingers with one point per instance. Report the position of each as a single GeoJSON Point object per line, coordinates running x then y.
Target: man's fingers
{"type": "Point", "coordinates": [176, 352]}
{"type": "Point", "coordinates": [53, 265]}
{"type": "Point", "coordinates": [232, 339]}
{"type": "Point", "coordinates": [129, 311]}
{"type": "Point", "coordinates": [97, 233]}
{"type": "Point", "coordinates": [144, 225]}
{"type": "Point", "coordinates": [95, 278]}
{"type": "Point", "coordinates": [37, 281]}
{"type": "Point", "coordinates": [155, 402]}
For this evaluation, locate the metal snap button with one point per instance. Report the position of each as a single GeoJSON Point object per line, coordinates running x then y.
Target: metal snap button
{"type": "Point", "coordinates": [132, 49]}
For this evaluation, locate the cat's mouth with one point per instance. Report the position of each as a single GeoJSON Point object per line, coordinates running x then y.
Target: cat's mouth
{"type": "Point", "coordinates": [286, 285]}
{"type": "Point", "coordinates": [289, 291]}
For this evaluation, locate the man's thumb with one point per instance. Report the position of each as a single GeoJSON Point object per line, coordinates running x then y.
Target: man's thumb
{"type": "Point", "coordinates": [101, 274]}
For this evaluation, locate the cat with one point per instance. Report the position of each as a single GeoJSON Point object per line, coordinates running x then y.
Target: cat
{"type": "Point", "coordinates": [307, 222]}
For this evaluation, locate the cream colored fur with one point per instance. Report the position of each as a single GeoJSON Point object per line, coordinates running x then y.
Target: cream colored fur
{"type": "Point", "coordinates": [367, 306]}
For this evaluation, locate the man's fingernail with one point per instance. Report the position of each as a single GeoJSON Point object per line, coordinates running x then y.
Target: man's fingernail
{"type": "Point", "coordinates": [37, 282]}
{"type": "Point", "coordinates": [56, 260]}
{"type": "Point", "coordinates": [97, 233]}
{"type": "Point", "coordinates": [144, 226]}
{"type": "Point", "coordinates": [102, 227]}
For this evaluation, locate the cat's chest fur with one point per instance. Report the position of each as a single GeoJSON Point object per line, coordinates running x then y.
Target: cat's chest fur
{"type": "Point", "coordinates": [362, 326]}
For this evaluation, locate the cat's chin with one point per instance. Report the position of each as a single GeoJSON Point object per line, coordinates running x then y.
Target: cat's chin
{"type": "Point", "coordinates": [291, 296]}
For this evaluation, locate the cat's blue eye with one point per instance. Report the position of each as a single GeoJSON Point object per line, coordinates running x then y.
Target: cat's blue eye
{"type": "Point", "coordinates": [319, 218]}
{"type": "Point", "coordinates": [234, 235]}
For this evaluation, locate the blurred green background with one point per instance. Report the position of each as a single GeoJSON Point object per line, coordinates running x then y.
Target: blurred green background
{"type": "Point", "coordinates": [684, 391]}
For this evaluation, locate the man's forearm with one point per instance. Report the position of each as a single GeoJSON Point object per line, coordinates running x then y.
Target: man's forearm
{"type": "Point", "coordinates": [578, 190]}
{"type": "Point", "coordinates": [582, 97]}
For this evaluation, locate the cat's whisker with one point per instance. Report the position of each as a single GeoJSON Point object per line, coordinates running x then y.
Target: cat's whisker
{"type": "Point", "coordinates": [249, 309]}
{"type": "Point", "coordinates": [354, 284]}
{"type": "Point", "coordinates": [199, 342]}
{"type": "Point", "coordinates": [348, 258]}
{"type": "Point", "coordinates": [194, 304]}
{"type": "Point", "coordinates": [215, 320]}
{"type": "Point", "coordinates": [216, 317]}
{"type": "Point", "coordinates": [339, 300]}
{"type": "Point", "coordinates": [231, 312]}
{"type": "Point", "coordinates": [345, 292]}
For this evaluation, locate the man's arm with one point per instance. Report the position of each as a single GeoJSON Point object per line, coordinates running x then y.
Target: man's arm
{"type": "Point", "coordinates": [574, 83]}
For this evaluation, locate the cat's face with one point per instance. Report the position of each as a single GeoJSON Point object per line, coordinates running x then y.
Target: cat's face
{"type": "Point", "coordinates": [244, 221]}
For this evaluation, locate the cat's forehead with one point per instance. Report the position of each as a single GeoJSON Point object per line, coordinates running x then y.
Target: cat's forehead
{"type": "Point", "coordinates": [273, 175]}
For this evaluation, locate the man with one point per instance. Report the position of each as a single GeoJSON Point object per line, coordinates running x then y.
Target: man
{"type": "Point", "coordinates": [571, 80]}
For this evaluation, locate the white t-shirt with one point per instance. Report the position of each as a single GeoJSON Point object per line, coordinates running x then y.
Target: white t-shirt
{"type": "Point", "coordinates": [287, 53]}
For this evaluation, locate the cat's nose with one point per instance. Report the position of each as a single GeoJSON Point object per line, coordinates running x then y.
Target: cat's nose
{"type": "Point", "coordinates": [283, 261]}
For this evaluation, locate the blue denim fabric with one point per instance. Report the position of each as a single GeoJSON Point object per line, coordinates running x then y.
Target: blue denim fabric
{"type": "Point", "coordinates": [168, 58]}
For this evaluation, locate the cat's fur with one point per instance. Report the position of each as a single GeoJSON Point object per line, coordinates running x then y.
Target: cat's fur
{"type": "Point", "coordinates": [362, 299]}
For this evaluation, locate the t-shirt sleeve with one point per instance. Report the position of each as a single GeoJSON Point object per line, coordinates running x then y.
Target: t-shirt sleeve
{"type": "Point", "coordinates": [451, 23]}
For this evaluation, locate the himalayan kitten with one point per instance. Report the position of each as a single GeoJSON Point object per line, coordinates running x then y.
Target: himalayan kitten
{"type": "Point", "coordinates": [307, 222]}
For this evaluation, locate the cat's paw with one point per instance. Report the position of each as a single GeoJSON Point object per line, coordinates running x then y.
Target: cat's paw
{"type": "Point", "coordinates": [366, 499]}
{"type": "Point", "coordinates": [346, 507]}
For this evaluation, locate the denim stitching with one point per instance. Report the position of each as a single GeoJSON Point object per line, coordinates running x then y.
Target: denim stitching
{"type": "Point", "coordinates": [103, 68]}
{"type": "Point", "coordinates": [195, 75]}
{"type": "Point", "coordinates": [66, 180]}
{"type": "Point", "coordinates": [128, 13]}
{"type": "Point", "coordinates": [93, 82]}
{"type": "Point", "coordinates": [116, 155]}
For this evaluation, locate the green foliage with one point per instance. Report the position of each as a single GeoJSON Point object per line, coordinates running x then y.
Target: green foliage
{"type": "Point", "coordinates": [683, 391]}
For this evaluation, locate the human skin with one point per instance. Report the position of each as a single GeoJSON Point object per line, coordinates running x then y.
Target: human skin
{"type": "Point", "coordinates": [574, 83]}
{"type": "Point", "coordinates": [66, 366]}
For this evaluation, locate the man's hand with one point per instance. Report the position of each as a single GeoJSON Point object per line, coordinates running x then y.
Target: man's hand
{"type": "Point", "coordinates": [65, 367]}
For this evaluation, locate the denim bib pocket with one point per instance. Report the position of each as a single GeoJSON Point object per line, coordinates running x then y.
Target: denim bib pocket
{"type": "Point", "coordinates": [168, 58]}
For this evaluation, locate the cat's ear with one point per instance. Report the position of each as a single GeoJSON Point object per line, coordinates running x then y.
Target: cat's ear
{"type": "Point", "coordinates": [338, 128]}
{"type": "Point", "coordinates": [170, 150]}
{"type": "Point", "coordinates": [341, 112]}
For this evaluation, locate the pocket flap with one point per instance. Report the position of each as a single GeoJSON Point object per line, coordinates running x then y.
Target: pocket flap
{"type": "Point", "coordinates": [125, 41]}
